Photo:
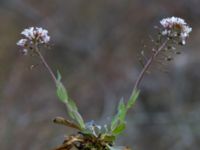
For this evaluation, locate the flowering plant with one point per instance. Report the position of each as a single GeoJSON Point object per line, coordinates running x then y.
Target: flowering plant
{"type": "Point", "coordinates": [173, 31]}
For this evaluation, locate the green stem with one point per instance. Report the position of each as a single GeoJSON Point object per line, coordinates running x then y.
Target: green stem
{"type": "Point", "coordinates": [45, 64]}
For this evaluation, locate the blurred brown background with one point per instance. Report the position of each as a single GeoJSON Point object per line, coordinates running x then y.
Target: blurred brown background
{"type": "Point", "coordinates": [95, 46]}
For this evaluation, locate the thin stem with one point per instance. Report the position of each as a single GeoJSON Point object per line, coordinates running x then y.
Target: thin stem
{"type": "Point", "coordinates": [147, 65]}
{"type": "Point", "coordinates": [46, 64]}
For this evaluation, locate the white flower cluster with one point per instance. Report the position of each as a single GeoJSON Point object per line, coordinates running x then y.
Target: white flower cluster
{"type": "Point", "coordinates": [176, 27]}
{"type": "Point", "coordinates": [34, 35]}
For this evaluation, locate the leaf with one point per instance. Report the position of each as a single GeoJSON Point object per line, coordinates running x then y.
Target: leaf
{"type": "Point", "coordinates": [120, 116]}
{"type": "Point", "coordinates": [78, 118]}
{"type": "Point", "coordinates": [120, 128]}
{"type": "Point", "coordinates": [122, 110]}
{"type": "Point", "coordinates": [133, 99]}
{"type": "Point", "coordinates": [62, 121]}
{"type": "Point", "coordinates": [108, 138]}
{"type": "Point", "coordinates": [61, 92]}
{"type": "Point", "coordinates": [72, 104]}
{"type": "Point", "coordinates": [118, 124]}
{"type": "Point", "coordinates": [72, 108]}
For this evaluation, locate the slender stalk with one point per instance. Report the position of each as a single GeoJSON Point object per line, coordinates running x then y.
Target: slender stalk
{"type": "Point", "coordinates": [45, 64]}
{"type": "Point", "coordinates": [147, 65]}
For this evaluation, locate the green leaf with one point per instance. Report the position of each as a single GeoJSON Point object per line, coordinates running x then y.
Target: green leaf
{"type": "Point", "coordinates": [78, 118]}
{"type": "Point", "coordinates": [61, 92]}
{"type": "Point", "coordinates": [120, 116]}
{"type": "Point", "coordinates": [108, 138]}
{"type": "Point", "coordinates": [118, 123]}
{"type": "Point", "coordinates": [122, 110]}
{"type": "Point", "coordinates": [133, 99]}
{"type": "Point", "coordinates": [120, 128]}
{"type": "Point", "coordinates": [72, 108]}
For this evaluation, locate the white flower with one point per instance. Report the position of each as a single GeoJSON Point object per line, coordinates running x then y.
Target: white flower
{"type": "Point", "coordinates": [22, 42]}
{"type": "Point", "coordinates": [175, 27]}
{"type": "Point", "coordinates": [28, 33]}
{"type": "Point", "coordinates": [170, 22]}
{"type": "Point", "coordinates": [42, 35]}
{"type": "Point", "coordinates": [36, 34]}
{"type": "Point", "coordinates": [32, 37]}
